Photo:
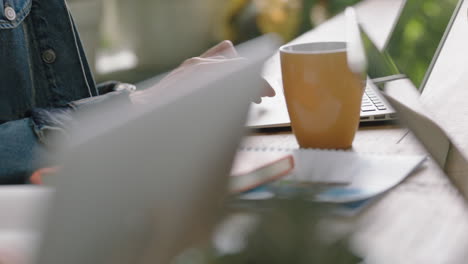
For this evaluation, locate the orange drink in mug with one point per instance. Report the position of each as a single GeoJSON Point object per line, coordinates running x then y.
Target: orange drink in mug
{"type": "Point", "coordinates": [323, 94]}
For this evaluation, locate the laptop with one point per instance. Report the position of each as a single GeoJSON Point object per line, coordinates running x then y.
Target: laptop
{"type": "Point", "coordinates": [410, 52]}
{"type": "Point", "coordinates": [140, 183]}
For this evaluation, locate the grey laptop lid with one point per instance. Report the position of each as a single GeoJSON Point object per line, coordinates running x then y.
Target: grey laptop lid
{"type": "Point", "coordinates": [135, 191]}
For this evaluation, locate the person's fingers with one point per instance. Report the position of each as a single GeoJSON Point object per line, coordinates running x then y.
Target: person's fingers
{"type": "Point", "coordinates": [224, 48]}
{"type": "Point", "coordinates": [190, 61]}
{"type": "Point", "coordinates": [36, 177]}
{"type": "Point", "coordinates": [218, 49]}
{"type": "Point", "coordinates": [267, 89]}
{"type": "Point", "coordinates": [218, 58]}
{"type": "Point", "coordinates": [198, 60]}
{"type": "Point", "coordinates": [10, 257]}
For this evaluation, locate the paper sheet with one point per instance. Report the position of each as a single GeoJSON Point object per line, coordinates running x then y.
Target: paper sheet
{"type": "Point", "coordinates": [369, 174]}
{"type": "Point", "coordinates": [335, 176]}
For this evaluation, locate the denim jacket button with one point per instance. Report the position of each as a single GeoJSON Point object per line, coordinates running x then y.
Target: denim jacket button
{"type": "Point", "coordinates": [10, 13]}
{"type": "Point", "coordinates": [49, 56]}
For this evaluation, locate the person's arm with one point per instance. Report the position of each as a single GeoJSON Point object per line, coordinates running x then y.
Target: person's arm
{"type": "Point", "coordinates": [224, 52]}
{"type": "Point", "coordinates": [19, 151]}
{"type": "Point", "coordinates": [22, 142]}
{"type": "Point", "coordinates": [27, 144]}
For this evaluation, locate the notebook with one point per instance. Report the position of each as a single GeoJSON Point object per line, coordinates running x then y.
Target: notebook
{"type": "Point", "coordinates": [143, 182]}
{"type": "Point", "coordinates": [410, 52]}
{"type": "Point", "coordinates": [334, 176]}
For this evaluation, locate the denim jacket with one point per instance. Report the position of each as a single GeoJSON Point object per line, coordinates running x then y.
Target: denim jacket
{"type": "Point", "coordinates": [43, 71]}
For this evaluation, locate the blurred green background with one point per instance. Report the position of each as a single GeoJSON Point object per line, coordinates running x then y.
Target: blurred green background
{"type": "Point", "coordinates": [134, 40]}
{"type": "Point", "coordinates": [415, 39]}
{"type": "Point", "coordinates": [245, 19]}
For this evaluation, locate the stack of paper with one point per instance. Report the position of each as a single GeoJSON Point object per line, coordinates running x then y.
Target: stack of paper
{"type": "Point", "coordinates": [323, 175]}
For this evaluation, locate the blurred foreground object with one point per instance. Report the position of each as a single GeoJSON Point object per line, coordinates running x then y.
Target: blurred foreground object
{"type": "Point", "coordinates": [290, 231]}
{"type": "Point", "coordinates": [21, 209]}
{"type": "Point", "coordinates": [138, 183]}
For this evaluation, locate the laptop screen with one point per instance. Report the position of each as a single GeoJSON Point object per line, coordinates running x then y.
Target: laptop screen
{"type": "Point", "coordinates": [417, 35]}
{"type": "Point", "coordinates": [414, 42]}
{"type": "Point", "coordinates": [380, 64]}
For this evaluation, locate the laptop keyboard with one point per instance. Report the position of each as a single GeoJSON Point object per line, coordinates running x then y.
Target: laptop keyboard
{"type": "Point", "coordinates": [371, 102]}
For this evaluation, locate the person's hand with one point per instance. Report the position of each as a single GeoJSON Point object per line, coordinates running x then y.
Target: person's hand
{"type": "Point", "coordinates": [224, 52]}
{"type": "Point", "coordinates": [37, 176]}
{"type": "Point", "coordinates": [9, 254]}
